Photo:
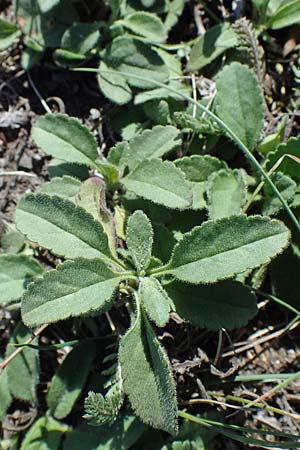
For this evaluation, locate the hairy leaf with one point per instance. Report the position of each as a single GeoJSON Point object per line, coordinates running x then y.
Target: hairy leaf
{"type": "Point", "coordinates": [139, 239]}
{"type": "Point", "coordinates": [121, 435]}
{"type": "Point", "coordinates": [226, 193]}
{"type": "Point", "coordinates": [160, 182]}
{"type": "Point", "coordinates": [16, 271]}
{"type": "Point", "coordinates": [69, 380]}
{"type": "Point", "coordinates": [155, 300]}
{"type": "Point", "coordinates": [220, 249]}
{"type": "Point", "coordinates": [65, 187]}
{"type": "Point", "coordinates": [65, 138]}
{"type": "Point", "coordinates": [135, 57]}
{"type": "Point", "coordinates": [81, 37]}
{"type": "Point", "coordinates": [147, 376]}
{"type": "Point", "coordinates": [45, 434]}
{"type": "Point", "coordinates": [61, 226]}
{"type": "Point", "coordinates": [74, 289]}
{"type": "Point", "coordinates": [146, 24]}
{"type": "Point", "coordinates": [199, 167]}
{"type": "Point", "coordinates": [153, 143]}
{"type": "Point", "coordinates": [100, 410]}
{"type": "Point", "coordinates": [5, 395]}
{"type": "Point", "coordinates": [228, 304]}
{"type": "Point", "coordinates": [239, 102]}
{"type": "Point", "coordinates": [286, 186]}
{"type": "Point", "coordinates": [113, 85]}
{"type": "Point", "coordinates": [211, 44]}
{"type": "Point", "coordinates": [23, 370]}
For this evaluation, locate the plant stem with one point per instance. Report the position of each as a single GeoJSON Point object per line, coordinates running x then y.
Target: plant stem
{"type": "Point", "coordinates": [220, 122]}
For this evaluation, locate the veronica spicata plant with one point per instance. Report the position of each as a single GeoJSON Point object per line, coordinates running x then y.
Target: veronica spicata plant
{"type": "Point", "coordinates": [113, 257]}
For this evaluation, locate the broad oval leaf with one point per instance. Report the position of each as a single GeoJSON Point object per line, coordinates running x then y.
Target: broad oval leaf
{"type": "Point", "coordinates": [288, 14]}
{"type": "Point", "coordinates": [146, 24]}
{"type": "Point", "coordinates": [73, 289]}
{"type": "Point", "coordinates": [155, 300]}
{"type": "Point", "coordinates": [199, 167]}
{"type": "Point", "coordinates": [81, 37]}
{"type": "Point", "coordinates": [121, 435]}
{"type": "Point", "coordinates": [150, 144]}
{"type": "Point", "coordinates": [211, 44]}
{"type": "Point", "coordinates": [65, 138]}
{"type": "Point", "coordinates": [220, 249]}
{"type": "Point", "coordinates": [45, 434]}
{"type": "Point", "coordinates": [66, 187]}
{"type": "Point", "coordinates": [113, 85]}
{"type": "Point", "coordinates": [228, 304]}
{"type": "Point", "coordinates": [239, 102]}
{"type": "Point", "coordinates": [68, 382]}
{"type": "Point", "coordinates": [16, 271]}
{"type": "Point", "coordinates": [135, 57]}
{"type": "Point", "coordinates": [59, 225]}
{"type": "Point", "coordinates": [160, 182]}
{"type": "Point", "coordinates": [226, 193]}
{"type": "Point", "coordinates": [147, 376]}
{"type": "Point", "coordinates": [139, 239]}
{"type": "Point", "coordinates": [23, 370]}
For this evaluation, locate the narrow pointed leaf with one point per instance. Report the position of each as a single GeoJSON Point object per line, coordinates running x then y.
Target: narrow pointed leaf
{"type": "Point", "coordinates": [139, 239]}
{"type": "Point", "coordinates": [23, 370]}
{"type": "Point", "coordinates": [239, 102]}
{"type": "Point", "coordinates": [160, 182]}
{"type": "Point", "coordinates": [68, 382]}
{"type": "Point", "coordinates": [228, 304]}
{"type": "Point", "coordinates": [16, 271]}
{"type": "Point", "coordinates": [220, 249]}
{"type": "Point", "coordinates": [9, 32]}
{"type": "Point", "coordinates": [155, 301]}
{"type": "Point", "coordinates": [226, 193]}
{"type": "Point", "coordinates": [65, 138]}
{"type": "Point", "coordinates": [147, 377]}
{"type": "Point", "coordinates": [59, 225]}
{"type": "Point", "coordinates": [153, 143]}
{"type": "Point", "coordinates": [75, 288]}
{"type": "Point", "coordinates": [288, 14]}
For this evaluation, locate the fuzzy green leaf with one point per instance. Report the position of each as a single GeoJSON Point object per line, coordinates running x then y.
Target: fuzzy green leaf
{"type": "Point", "coordinates": [68, 381]}
{"type": "Point", "coordinates": [23, 370]}
{"type": "Point", "coordinates": [139, 239]}
{"type": "Point", "coordinates": [121, 435]}
{"type": "Point", "coordinates": [100, 410]}
{"type": "Point", "coordinates": [45, 434]}
{"type": "Point", "coordinates": [288, 166]}
{"type": "Point", "coordinates": [135, 57]}
{"type": "Point", "coordinates": [113, 86]}
{"type": "Point", "coordinates": [61, 226]}
{"type": "Point", "coordinates": [147, 376]}
{"type": "Point", "coordinates": [153, 143]}
{"type": "Point", "coordinates": [239, 102]}
{"type": "Point", "coordinates": [288, 14]}
{"type": "Point", "coordinates": [211, 44]}
{"type": "Point", "coordinates": [64, 187]}
{"type": "Point", "coordinates": [9, 32]}
{"type": "Point", "coordinates": [228, 304]}
{"type": "Point", "coordinates": [199, 167]}
{"type": "Point", "coordinates": [160, 182]}
{"type": "Point", "coordinates": [75, 288]}
{"type": "Point", "coordinates": [5, 395]}
{"type": "Point", "coordinates": [221, 249]}
{"type": "Point", "coordinates": [286, 186]}
{"type": "Point", "coordinates": [155, 300]}
{"type": "Point", "coordinates": [80, 38]}
{"type": "Point", "coordinates": [16, 271]}
{"type": "Point", "coordinates": [226, 193]}
{"type": "Point", "coordinates": [65, 138]}
{"type": "Point", "coordinates": [145, 24]}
